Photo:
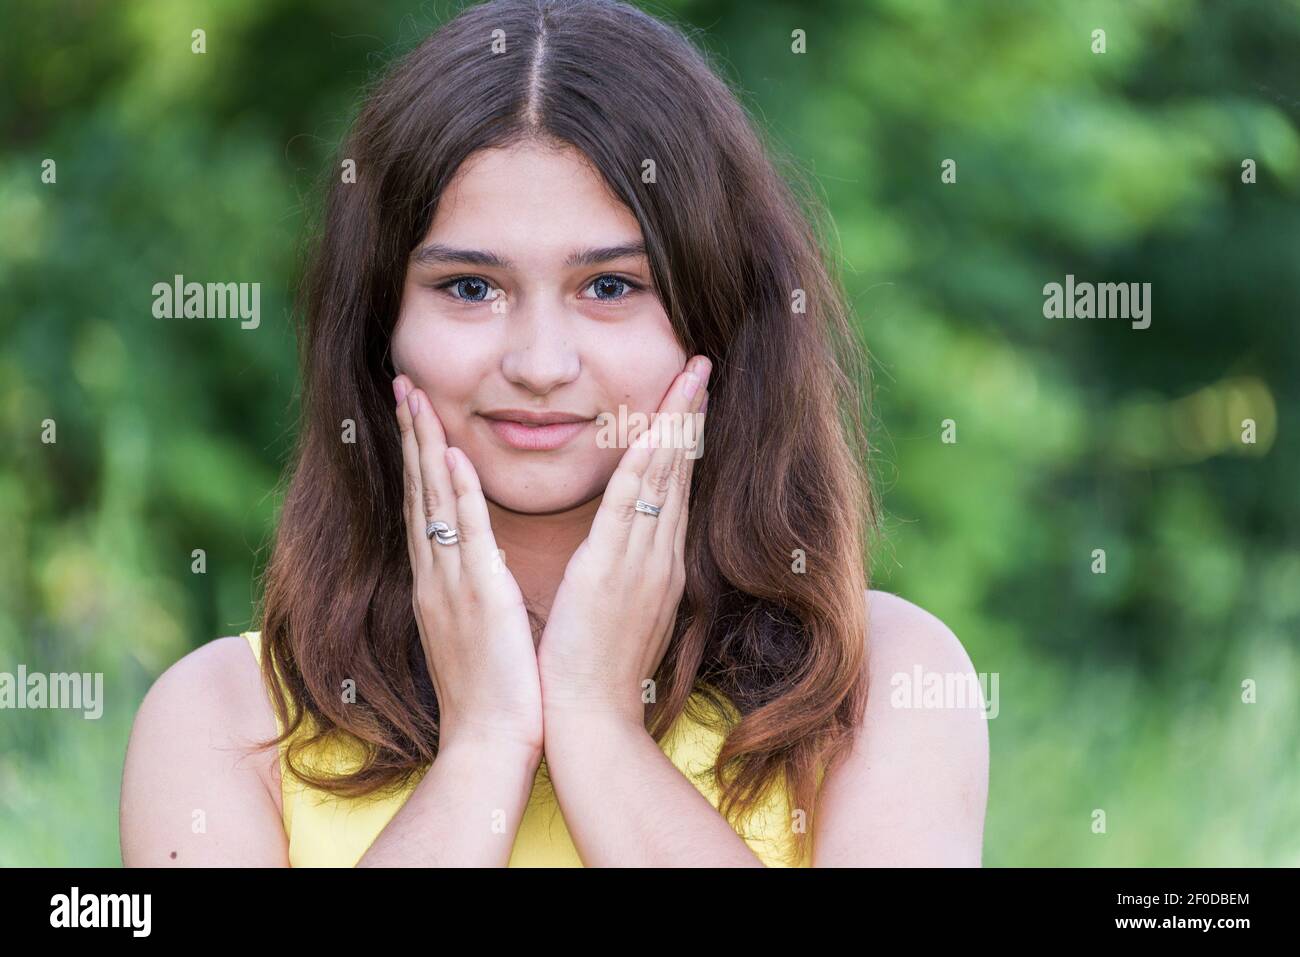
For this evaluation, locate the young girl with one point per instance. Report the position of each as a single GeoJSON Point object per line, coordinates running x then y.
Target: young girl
{"type": "Point", "coordinates": [497, 628]}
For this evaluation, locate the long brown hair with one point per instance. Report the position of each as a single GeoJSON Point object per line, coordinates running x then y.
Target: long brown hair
{"type": "Point", "coordinates": [771, 629]}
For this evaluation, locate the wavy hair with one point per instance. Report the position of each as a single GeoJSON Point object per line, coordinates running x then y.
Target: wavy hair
{"type": "Point", "coordinates": [739, 260]}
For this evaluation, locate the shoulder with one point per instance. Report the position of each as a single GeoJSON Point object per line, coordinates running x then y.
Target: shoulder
{"type": "Point", "coordinates": [217, 686]}
{"type": "Point", "coordinates": [912, 790]}
{"type": "Point", "coordinates": [223, 664]}
{"type": "Point", "coordinates": [191, 764]}
{"type": "Point", "coordinates": [901, 636]}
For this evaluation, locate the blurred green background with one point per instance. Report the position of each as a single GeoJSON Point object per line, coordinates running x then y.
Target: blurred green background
{"type": "Point", "coordinates": [1119, 691]}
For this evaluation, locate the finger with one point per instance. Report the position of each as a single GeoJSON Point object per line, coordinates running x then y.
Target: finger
{"type": "Point", "coordinates": [663, 472]}
{"type": "Point", "coordinates": [412, 487]}
{"type": "Point", "coordinates": [673, 514]}
{"type": "Point", "coordinates": [684, 519]}
{"type": "Point", "coordinates": [477, 543]}
{"type": "Point", "coordinates": [438, 502]}
{"type": "Point", "coordinates": [616, 519]}
{"type": "Point", "coordinates": [613, 522]}
{"type": "Point", "coordinates": [657, 482]}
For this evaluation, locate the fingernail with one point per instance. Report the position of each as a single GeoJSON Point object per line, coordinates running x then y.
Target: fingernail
{"type": "Point", "coordinates": [399, 389]}
{"type": "Point", "coordinates": [450, 456]}
{"type": "Point", "coordinates": [692, 384]}
{"type": "Point", "coordinates": [414, 403]}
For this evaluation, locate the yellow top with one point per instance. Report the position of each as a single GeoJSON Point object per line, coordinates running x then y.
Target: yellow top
{"type": "Point", "coordinates": [326, 830]}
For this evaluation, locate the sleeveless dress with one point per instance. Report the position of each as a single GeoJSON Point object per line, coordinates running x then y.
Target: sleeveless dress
{"type": "Point", "coordinates": [326, 830]}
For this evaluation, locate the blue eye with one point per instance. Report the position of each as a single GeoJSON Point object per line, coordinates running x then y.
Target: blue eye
{"type": "Point", "coordinates": [616, 287]}
{"type": "Point", "coordinates": [469, 288]}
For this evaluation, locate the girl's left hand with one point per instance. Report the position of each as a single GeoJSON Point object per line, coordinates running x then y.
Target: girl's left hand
{"type": "Point", "coordinates": [613, 614]}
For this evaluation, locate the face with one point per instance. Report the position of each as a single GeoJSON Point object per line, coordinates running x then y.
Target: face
{"type": "Point", "coordinates": [530, 299]}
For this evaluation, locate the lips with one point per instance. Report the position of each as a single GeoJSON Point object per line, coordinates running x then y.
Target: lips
{"type": "Point", "coordinates": [538, 432]}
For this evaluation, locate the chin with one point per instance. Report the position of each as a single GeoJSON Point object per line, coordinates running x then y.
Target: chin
{"type": "Point", "coordinates": [539, 488]}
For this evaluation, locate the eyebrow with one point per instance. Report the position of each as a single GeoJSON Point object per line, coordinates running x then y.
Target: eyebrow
{"type": "Point", "coordinates": [434, 253]}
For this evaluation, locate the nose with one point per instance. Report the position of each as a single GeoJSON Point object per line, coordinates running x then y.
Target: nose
{"type": "Point", "coordinates": [541, 354]}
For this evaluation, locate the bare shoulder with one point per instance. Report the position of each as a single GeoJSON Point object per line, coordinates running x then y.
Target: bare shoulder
{"type": "Point", "coordinates": [913, 789]}
{"type": "Point", "coordinates": [194, 788]}
{"type": "Point", "coordinates": [218, 687]}
{"type": "Point", "coordinates": [901, 635]}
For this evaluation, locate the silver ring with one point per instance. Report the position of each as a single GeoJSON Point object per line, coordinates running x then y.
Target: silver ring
{"type": "Point", "coordinates": [647, 508]}
{"type": "Point", "coordinates": [443, 533]}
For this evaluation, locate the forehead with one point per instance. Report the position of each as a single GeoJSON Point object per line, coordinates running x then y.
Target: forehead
{"type": "Point", "coordinates": [530, 199]}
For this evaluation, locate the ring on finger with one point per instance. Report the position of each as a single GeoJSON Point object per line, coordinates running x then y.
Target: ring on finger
{"type": "Point", "coordinates": [644, 506]}
{"type": "Point", "coordinates": [443, 533]}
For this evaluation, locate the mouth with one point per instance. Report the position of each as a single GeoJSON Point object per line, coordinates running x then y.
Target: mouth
{"type": "Point", "coordinates": [535, 431]}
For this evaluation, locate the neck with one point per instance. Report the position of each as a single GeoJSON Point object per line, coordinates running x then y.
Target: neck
{"type": "Point", "coordinates": [538, 547]}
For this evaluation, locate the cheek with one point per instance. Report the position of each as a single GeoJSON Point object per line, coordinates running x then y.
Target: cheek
{"type": "Point", "coordinates": [639, 366]}
{"type": "Point", "coordinates": [448, 365]}
{"type": "Point", "coordinates": [646, 388]}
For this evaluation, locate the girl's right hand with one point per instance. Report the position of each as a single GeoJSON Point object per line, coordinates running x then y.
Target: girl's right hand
{"type": "Point", "coordinates": [473, 624]}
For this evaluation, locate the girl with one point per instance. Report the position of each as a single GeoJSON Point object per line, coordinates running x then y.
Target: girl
{"type": "Point", "coordinates": [501, 627]}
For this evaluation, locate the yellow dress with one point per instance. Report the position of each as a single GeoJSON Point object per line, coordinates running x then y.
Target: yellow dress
{"type": "Point", "coordinates": [326, 830]}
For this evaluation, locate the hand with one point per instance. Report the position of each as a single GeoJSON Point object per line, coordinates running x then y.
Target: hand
{"type": "Point", "coordinates": [471, 615]}
{"type": "Point", "coordinates": [613, 614]}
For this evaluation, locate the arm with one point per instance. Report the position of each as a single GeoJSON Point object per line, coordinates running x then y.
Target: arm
{"type": "Point", "coordinates": [465, 812]}
{"type": "Point", "coordinates": [609, 627]}
{"type": "Point", "coordinates": [913, 790]}
{"type": "Point", "coordinates": [627, 805]}
{"type": "Point", "coordinates": [192, 794]}
{"type": "Point", "coordinates": [479, 650]}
